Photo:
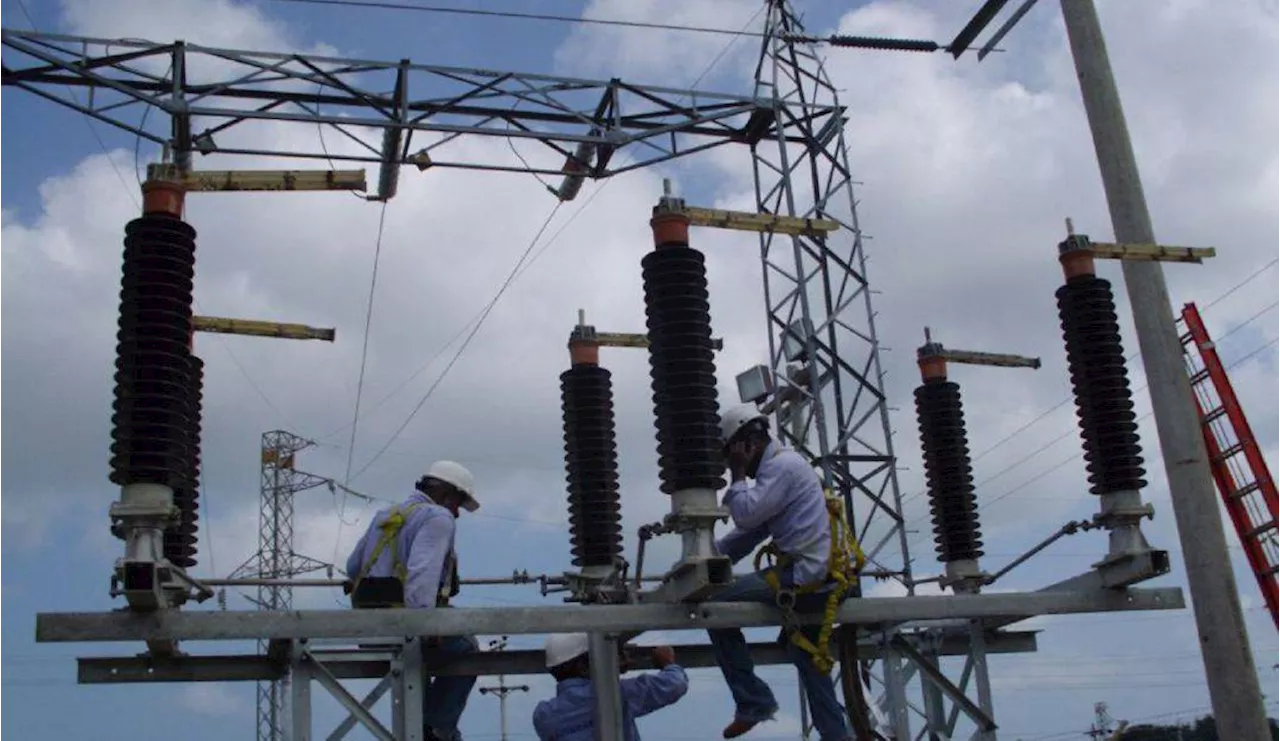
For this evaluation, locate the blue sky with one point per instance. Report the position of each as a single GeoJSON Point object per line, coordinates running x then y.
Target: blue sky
{"type": "Point", "coordinates": [967, 171]}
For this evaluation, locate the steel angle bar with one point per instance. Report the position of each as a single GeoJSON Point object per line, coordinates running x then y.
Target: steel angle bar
{"type": "Point", "coordinates": [371, 699]}
{"type": "Point", "coordinates": [321, 674]}
{"type": "Point", "coordinates": [346, 665]}
{"type": "Point", "coordinates": [369, 624]}
{"type": "Point", "coordinates": [934, 675]}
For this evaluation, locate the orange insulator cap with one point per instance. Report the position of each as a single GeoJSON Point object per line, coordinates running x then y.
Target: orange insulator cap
{"type": "Point", "coordinates": [584, 352]}
{"type": "Point", "coordinates": [1076, 256]}
{"type": "Point", "coordinates": [163, 197]}
{"type": "Point", "coordinates": [670, 228]}
{"type": "Point", "coordinates": [932, 366]}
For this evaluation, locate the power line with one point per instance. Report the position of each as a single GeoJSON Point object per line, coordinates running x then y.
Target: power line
{"type": "Point", "coordinates": [461, 349]}
{"type": "Point", "coordinates": [549, 243]}
{"type": "Point", "coordinates": [88, 122]}
{"type": "Point", "coordinates": [383, 5]}
{"type": "Point", "coordinates": [364, 357]}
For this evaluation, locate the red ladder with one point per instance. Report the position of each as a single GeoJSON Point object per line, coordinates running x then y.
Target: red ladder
{"type": "Point", "coordinates": [1247, 489]}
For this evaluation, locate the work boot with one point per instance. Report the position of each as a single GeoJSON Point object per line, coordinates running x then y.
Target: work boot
{"type": "Point", "coordinates": [739, 727]}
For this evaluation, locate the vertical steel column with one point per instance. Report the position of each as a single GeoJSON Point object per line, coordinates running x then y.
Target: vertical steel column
{"type": "Point", "coordinates": [300, 686]}
{"type": "Point", "coordinates": [978, 650]}
{"type": "Point", "coordinates": [605, 674]}
{"type": "Point", "coordinates": [895, 689]}
{"type": "Point", "coordinates": [1232, 677]}
{"type": "Point", "coordinates": [411, 682]}
{"type": "Point", "coordinates": [934, 711]}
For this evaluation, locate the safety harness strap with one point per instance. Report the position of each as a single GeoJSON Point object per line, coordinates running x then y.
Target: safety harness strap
{"type": "Point", "coordinates": [389, 538]}
{"type": "Point", "coordinates": [844, 564]}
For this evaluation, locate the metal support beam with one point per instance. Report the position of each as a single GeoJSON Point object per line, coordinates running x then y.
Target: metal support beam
{"type": "Point", "coordinates": [1224, 645]}
{"type": "Point", "coordinates": [373, 664]}
{"type": "Point", "coordinates": [1151, 252]}
{"type": "Point", "coordinates": [384, 107]}
{"type": "Point", "coordinates": [369, 624]}
{"type": "Point", "coordinates": [748, 221]}
{"type": "Point", "coordinates": [929, 670]}
{"type": "Point", "coordinates": [605, 675]}
{"type": "Point", "coordinates": [225, 181]}
{"type": "Point", "coordinates": [258, 328]}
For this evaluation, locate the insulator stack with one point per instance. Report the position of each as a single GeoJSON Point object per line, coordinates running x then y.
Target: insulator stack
{"type": "Point", "coordinates": [948, 471]}
{"type": "Point", "coordinates": [681, 359]}
{"type": "Point", "coordinates": [1095, 358]}
{"type": "Point", "coordinates": [180, 540]}
{"type": "Point", "coordinates": [155, 430]}
{"type": "Point", "coordinates": [591, 465]}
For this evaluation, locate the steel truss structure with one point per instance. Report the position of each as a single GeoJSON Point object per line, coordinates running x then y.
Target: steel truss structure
{"type": "Point", "coordinates": [395, 113]}
{"type": "Point", "coordinates": [276, 560]}
{"type": "Point", "coordinates": [822, 343]}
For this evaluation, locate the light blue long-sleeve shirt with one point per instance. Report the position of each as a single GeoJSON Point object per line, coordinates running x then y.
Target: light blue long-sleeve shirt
{"type": "Point", "coordinates": [787, 503]}
{"type": "Point", "coordinates": [570, 715]}
{"type": "Point", "coordinates": [424, 542]}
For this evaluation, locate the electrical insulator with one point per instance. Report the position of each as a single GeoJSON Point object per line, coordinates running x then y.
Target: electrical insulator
{"type": "Point", "coordinates": [591, 465]}
{"type": "Point", "coordinates": [1104, 401]}
{"type": "Point", "coordinates": [683, 370]}
{"type": "Point", "coordinates": [155, 435]}
{"type": "Point", "coordinates": [948, 471]}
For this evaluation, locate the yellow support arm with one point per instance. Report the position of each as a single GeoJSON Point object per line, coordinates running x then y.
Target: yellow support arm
{"type": "Point", "coordinates": [1150, 252]}
{"type": "Point", "coordinates": [628, 339]}
{"type": "Point", "coordinates": [213, 181]}
{"type": "Point", "coordinates": [754, 222]}
{"type": "Point", "coordinates": [255, 328]}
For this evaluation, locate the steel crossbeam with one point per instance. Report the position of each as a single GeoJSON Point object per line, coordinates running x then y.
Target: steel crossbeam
{"type": "Point", "coordinates": [369, 624]}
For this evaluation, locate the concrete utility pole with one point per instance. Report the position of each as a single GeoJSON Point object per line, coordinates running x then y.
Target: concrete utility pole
{"type": "Point", "coordinates": [1224, 645]}
{"type": "Point", "coordinates": [502, 690]}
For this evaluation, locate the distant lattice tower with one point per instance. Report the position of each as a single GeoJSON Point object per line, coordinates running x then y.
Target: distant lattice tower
{"type": "Point", "coordinates": [276, 559]}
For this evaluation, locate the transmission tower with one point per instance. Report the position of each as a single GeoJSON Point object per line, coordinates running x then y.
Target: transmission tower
{"type": "Point", "coordinates": [276, 560]}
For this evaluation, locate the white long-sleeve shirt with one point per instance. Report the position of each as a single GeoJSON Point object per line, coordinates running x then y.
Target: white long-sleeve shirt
{"type": "Point", "coordinates": [787, 504]}
{"type": "Point", "coordinates": [424, 542]}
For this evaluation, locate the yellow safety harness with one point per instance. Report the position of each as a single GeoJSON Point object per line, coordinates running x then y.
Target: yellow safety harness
{"type": "Point", "coordinates": [389, 538]}
{"type": "Point", "coordinates": [844, 564]}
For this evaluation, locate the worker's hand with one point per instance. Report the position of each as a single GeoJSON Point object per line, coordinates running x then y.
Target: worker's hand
{"type": "Point", "coordinates": [740, 454]}
{"type": "Point", "coordinates": [663, 656]}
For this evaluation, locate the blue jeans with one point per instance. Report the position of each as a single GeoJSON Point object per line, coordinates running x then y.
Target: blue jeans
{"type": "Point", "coordinates": [444, 698]}
{"type": "Point", "coordinates": [753, 699]}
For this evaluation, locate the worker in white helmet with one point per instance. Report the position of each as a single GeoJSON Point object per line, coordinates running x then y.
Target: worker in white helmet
{"type": "Point", "coordinates": [787, 504]}
{"type": "Point", "coordinates": [406, 559]}
{"type": "Point", "coordinates": [570, 715]}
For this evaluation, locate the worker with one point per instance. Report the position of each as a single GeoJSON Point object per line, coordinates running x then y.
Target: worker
{"type": "Point", "coordinates": [787, 504]}
{"type": "Point", "coordinates": [406, 559]}
{"type": "Point", "coordinates": [570, 715]}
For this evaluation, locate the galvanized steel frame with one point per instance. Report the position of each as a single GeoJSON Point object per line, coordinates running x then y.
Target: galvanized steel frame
{"type": "Point", "coordinates": [385, 108]}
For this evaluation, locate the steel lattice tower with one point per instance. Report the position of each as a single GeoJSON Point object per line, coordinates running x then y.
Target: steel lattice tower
{"type": "Point", "coordinates": [276, 559]}
{"type": "Point", "coordinates": [818, 296]}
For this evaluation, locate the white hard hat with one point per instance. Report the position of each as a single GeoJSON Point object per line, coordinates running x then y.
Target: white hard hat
{"type": "Point", "coordinates": [457, 476]}
{"type": "Point", "coordinates": [734, 420]}
{"type": "Point", "coordinates": [563, 648]}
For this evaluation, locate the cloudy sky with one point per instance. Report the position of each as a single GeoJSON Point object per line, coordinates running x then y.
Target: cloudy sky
{"type": "Point", "coordinates": [966, 171]}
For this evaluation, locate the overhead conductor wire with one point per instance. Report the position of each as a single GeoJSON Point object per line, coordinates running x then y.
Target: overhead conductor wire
{"type": "Point", "coordinates": [465, 343]}
{"type": "Point", "coordinates": [524, 267]}
{"type": "Point", "coordinates": [364, 358]}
